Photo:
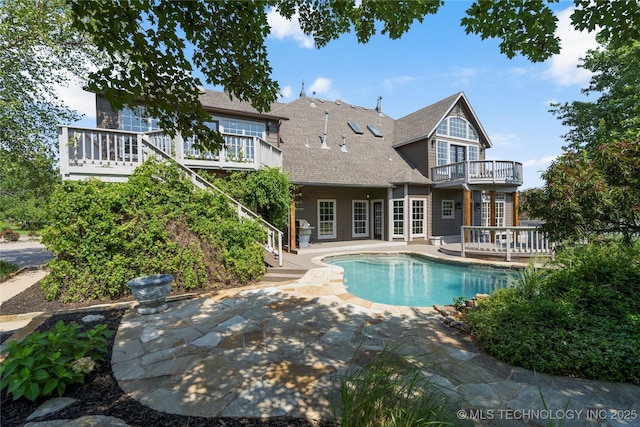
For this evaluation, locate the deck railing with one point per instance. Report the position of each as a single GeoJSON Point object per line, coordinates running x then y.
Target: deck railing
{"type": "Point", "coordinates": [507, 241]}
{"type": "Point", "coordinates": [479, 172]}
{"type": "Point", "coordinates": [113, 154]}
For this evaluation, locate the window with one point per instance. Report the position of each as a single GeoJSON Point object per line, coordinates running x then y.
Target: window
{"type": "Point", "coordinates": [398, 218]}
{"type": "Point", "coordinates": [375, 131]}
{"type": "Point", "coordinates": [360, 218]}
{"type": "Point", "coordinates": [355, 127]}
{"type": "Point", "coordinates": [136, 120]}
{"type": "Point", "coordinates": [457, 127]}
{"type": "Point", "coordinates": [473, 157]}
{"type": "Point", "coordinates": [448, 211]}
{"type": "Point", "coordinates": [238, 127]}
{"type": "Point", "coordinates": [500, 205]}
{"type": "Point", "coordinates": [326, 219]}
{"type": "Point", "coordinates": [418, 218]}
{"type": "Point", "coordinates": [486, 209]}
{"type": "Point", "coordinates": [443, 159]}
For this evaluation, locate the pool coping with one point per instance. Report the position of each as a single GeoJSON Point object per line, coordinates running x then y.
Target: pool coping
{"type": "Point", "coordinates": [327, 281]}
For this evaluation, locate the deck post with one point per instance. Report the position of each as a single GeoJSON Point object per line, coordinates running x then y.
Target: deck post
{"type": "Point", "coordinates": [292, 226]}
{"type": "Point", "coordinates": [508, 245]}
{"type": "Point", "coordinates": [63, 146]}
{"type": "Point", "coordinates": [516, 208]}
{"type": "Point", "coordinates": [466, 203]}
{"type": "Point", "coordinates": [492, 212]}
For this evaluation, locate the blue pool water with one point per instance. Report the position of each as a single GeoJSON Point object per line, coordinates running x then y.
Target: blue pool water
{"type": "Point", "coordinates": [414, 280]}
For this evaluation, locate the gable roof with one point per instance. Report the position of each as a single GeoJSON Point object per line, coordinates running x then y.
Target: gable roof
{"type": "Point", "coordinates": [422, 124]}
{"type": "Point", "coordinates": [369, 161]}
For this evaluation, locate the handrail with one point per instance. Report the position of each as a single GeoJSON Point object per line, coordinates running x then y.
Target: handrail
{"type": "Point", "coordinates": [509, 241]}
{"type": "Point", "coordinates": [479, 171]}
{"type": "Point", "coordinates": [200, 182]}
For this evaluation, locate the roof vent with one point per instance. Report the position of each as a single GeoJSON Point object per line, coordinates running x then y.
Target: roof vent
{"type": "Point", "coordinates": [201, 90]}
{"type": "Point", "coordinates": [324, 137]}
{"type": "Point", "coordinates": [343, 146]}
{"type": "Point", "coordinates": [379, 105]}
{"type": "Point", "coordinates": [313, 100]}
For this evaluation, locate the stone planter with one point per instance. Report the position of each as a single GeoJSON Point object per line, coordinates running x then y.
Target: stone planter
{"type": "Point", "coordinates": [151, 292]}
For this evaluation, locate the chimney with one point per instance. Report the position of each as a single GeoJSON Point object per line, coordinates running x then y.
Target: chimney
{"type": "Point", "coordinates": [379, 105]}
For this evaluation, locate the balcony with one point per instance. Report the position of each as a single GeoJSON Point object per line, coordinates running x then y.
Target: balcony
{"type": "Point", "coordinates": [501, 172]}
{"type": "Point", "coordinates": [112, 155]}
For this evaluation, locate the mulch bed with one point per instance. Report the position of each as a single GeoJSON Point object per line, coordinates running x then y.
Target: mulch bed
{"type": "Point", "coordinates": [101, 394]}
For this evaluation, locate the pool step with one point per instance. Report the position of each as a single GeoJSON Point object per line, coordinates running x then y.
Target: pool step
{"type": "Point", "coordinates": [282, 274]}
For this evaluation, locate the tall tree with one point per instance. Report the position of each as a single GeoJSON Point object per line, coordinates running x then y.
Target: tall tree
{"type": "Point", "coordinates": [39, 51]}
{"type": "Point", "coordinates": [594, 186]}
{"type": "Point", "coordinates": [154, 46]}
{"type": "Point", "coordinates": [615, 114]}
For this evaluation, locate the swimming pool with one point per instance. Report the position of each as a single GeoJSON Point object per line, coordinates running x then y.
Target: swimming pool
{"type": "Point", "coordinates": [412, 280]}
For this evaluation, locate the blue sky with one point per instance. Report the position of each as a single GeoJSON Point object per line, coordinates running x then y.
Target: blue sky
{"type": "Point", "coordinates": [433, 60]}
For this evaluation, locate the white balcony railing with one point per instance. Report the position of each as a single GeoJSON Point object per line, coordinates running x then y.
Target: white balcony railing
{"type": "Point", "coordinates": [508, 241]}
{"type": "Point", "coordinates": [113, 154]}
{"type": "Point", "coordinates": [478, 172]}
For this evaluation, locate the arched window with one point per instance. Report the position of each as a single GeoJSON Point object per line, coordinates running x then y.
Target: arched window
{"type": "Point", "coordinates": [457, 127]}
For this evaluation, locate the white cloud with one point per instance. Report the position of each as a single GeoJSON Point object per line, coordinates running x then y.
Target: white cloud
{"type": "Point", "coordinates": [462, 76]}
{"type": "Point", "coordinates": [282, 28]}
{"type": "Point", "coordinates": [322, 87]}
{"type": "Point", "coordinates": [563, 67]}
{"type": "Point", "coordinates": [392, 82]}
{"type": "Point", "coordinates": [76, 98]}
{"type": "Point", "coordinates": [503, 139]}
{"type": "Point", "coordinates": [539, 162]}
{"type": "Point", "coordinates": [285, 93]}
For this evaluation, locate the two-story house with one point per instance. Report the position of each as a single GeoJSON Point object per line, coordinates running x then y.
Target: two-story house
{"type": "Point", "coordinates": [361, 174]}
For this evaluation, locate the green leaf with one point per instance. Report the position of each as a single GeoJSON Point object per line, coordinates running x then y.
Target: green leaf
{"type": "Point", "coordinates": [49, 386]}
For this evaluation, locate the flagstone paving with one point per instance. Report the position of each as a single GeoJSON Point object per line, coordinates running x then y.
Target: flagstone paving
{"type": "Point", "coordinates": [281, 350]}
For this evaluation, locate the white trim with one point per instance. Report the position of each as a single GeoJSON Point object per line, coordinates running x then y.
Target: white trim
{"type": "Point", "coordinates": [392, 219]}
{"type": "Point", "coordinates": [333, 222]}
{"type": "Point", "coordinates": [424, 217]}
{"type": "Point", "coordinates": [373, 220]}
{"type": "Point", "coordinates": [366, 218]}
{"type": "Point", "coordinates": [453, 209]}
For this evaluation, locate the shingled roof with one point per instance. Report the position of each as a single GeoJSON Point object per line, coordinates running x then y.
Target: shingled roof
{"type": "Point", "coordinates": [366, 160]}
{"type": "Point", "coordinates": [369, 161]}
{"type": "Point", "coordinates": [222, 103]}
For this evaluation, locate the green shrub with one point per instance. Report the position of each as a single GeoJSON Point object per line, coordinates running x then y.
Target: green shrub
{"type": "Point", "coordinates": [104, 234]}
{"type": "Point", "coordinates": [7, 268]}
{"type": "Point", "coordinates": [580, 318]}
{"type": "Point", "coordinates": [47, 362]}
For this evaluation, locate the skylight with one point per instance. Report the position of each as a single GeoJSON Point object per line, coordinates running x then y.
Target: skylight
{"type": "Point", "coordinates": [375, 131]}
{"type": "Point", "coordinates": [355, 127]}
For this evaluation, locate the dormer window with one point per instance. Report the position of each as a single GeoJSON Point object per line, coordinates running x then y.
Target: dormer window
{"type": "Point", "coordinates": [457, 127]}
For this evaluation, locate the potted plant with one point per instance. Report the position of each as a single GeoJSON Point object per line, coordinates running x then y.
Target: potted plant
{"type": "Point", "coordinates": [151, 292]}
